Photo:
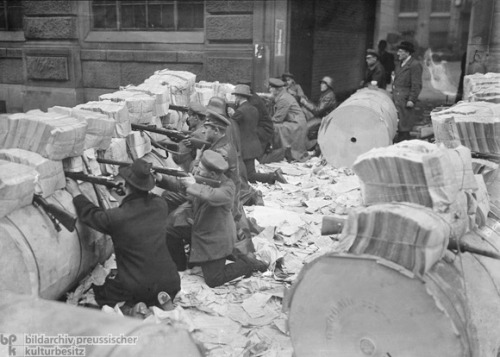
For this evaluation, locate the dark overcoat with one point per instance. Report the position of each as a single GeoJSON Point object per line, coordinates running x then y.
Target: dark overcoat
{"type": "Point", "coordinates": [247, 119]}
{"type": "Point", "coordinates": [265, 128]}
{"type": "Point", "coordinates": [138, 230]}
{"type": "Point", "coordinates": [406, 86]}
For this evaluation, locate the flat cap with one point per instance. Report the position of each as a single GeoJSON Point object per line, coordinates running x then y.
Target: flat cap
{"type": "Point", "coordinates": [214, 161]}
{"type": "Point", "coordinates": [276, 82]}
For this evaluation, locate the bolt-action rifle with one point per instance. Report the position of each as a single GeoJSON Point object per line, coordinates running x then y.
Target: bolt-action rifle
{"type": "Point", "coordinates": [207, 181]}
{"type": "Point", "coordinates": [174, 135]}
{"type": "Point", "coordinates": [160, 170]}
{"type": "Point", "coordinates": [97, 180]}
{"type": "Point", "coordinates": [56, 214]}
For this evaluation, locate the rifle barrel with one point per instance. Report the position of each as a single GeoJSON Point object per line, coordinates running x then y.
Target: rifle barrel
{"type": "Point", "coordinates": [161, 170]}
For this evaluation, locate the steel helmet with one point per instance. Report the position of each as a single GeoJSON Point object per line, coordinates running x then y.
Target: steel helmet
{"type": "Point", "coordinates": [328, 81]}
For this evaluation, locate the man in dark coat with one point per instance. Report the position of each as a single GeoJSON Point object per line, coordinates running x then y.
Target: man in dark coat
{"type": "Point", "coordinates": [386, 59]}
{"type": "Point", "coordinates": [265, 128]}
{"type": "Point", "coordinates": [406, 88]}
{"type": "Point", "coordinates": [247, 117]}
{"type": "Point", "coordinates": [137, 228]}
{"type": "Point", "coordinates": [374, 70]}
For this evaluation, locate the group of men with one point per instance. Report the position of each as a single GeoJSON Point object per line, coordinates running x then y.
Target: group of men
{"type": "Point", "coordinates": [201, 212]}
{"type": "Point", "coordinates": [406, 83]}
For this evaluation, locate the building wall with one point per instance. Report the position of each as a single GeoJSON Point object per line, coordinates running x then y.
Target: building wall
{"type": "Point", "coordinates": [59, 60]}
{"type": "Point", "coordinates": [343, 31]}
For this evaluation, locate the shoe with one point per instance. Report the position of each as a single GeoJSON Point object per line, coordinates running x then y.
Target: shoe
{"type": "Point", "coordinates": [259, 201]}
{"type": "Point", "coordinates": [256, 264]}
{"type": "Point", "coordinates": [139, 310]}
{"type": "Point", "coordinates": [278, 175]}
{"type": "Point", "coordinates": [165, 301]}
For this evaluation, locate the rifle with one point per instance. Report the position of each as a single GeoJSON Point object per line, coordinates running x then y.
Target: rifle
{"type": "Point", "coordinates": [160, 170]}
{"type": "Point", "coordinates": [97, 180]}
{"type": "Point", "coordinates": [179, 108]}
{"type": "Point", "coordinates": [465, 247]}
{"type": "Point", "coordinates": [175, 135]}
{"type": "Point", "coordinates": [56, 214]}
{"type": "Point", "coordinates": [207, 181]}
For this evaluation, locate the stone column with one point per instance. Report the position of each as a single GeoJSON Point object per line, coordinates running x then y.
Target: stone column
{"type": "Point", "coordinates": [423, 23]}
{"type": "Point", "coordinates": [51, 55]}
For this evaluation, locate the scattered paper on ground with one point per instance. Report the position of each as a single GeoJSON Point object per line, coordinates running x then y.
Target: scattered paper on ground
{"type": "Point", "coordinates": [245, 317]}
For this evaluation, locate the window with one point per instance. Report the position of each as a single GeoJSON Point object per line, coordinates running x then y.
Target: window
{"type": "Point", "coordinates": [11, 15]}
{"type": "Point", "coordinates": [441, 5]}
{"type": "Point", "coordinates": [408, 6]}
{"type": "Point", "coordinates": [130, 15]}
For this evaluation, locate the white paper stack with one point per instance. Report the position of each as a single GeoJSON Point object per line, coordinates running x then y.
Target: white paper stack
{"type": "Point", "coordinates": [115, 110]}
{"type": "Point", "coordinates": [475, 125]}
{"type": "Point", "coordinates": [52, 135]}
{"type": "Point", "coordinates": [140, 105]}
{"type": "Point", "coordinates": [225, 91]}
{"type": "Point", "coordinates": [117, 151]}
{"type": "Point", "coordinates": [414, 171]}
{"type": "Point", "coordinates": [180, 83]}
{"type": "Point", "coordinates": [138, 144]}
{"type": "Point", "coordinates": [203, 91]}
{"type": "Point", "coordinates": [482, 87]}
{"type": "Point", "coordinates": [50, 175]}
{"type": "Point", "coordinates": [73, 164]}
{"type": "Point", "coordinates": [17, 186]}
{"type": "Point", "coordinates": [159, 92]}
{"type": "Point", "coordinates": [100, 127]}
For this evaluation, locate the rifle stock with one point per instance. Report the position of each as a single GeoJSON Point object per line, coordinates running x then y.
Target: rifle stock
{"type": "Point", "coordinates": [160, 170]}
{"type": "Point", "coordinates": [207, 181]}
{"type": "Point", "coordinates": [97, 180]}
{"type": "Point", "coordinates": [56, 214]}
{"type": "Point", "coordinates": [179, 108]}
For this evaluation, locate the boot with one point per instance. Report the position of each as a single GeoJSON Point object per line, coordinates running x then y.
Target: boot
{"type": "Point", "coordinates": [278, 175]}
{"type": "Point", "coordinates": [256, 264]}
{"type": "Point", "coordinates": [165, 301]}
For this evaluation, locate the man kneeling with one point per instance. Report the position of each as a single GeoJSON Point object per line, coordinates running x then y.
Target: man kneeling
{"type": "Point", "coordinates": [146, 273]}
{"type": "Point", "coordinates": [213, 232]}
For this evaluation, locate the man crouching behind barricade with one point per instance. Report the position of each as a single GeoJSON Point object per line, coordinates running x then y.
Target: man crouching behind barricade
{"type": "Point", "coordinates": [146, 273]}
{"type": "Point", "coordinates": [213, 228]}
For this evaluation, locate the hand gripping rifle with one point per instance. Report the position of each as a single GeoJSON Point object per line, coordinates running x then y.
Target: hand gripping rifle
{"type": "Point", "coordinates": [97, 180]}
{"type": "Point", "coordinates": [160, 170]}
{"type": "Point", "coordinates": [56, 214]}
{"type": "Point", "coordinates": [174, 135]}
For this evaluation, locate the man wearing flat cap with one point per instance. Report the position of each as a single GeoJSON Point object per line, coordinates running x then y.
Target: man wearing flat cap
{"type": "Point", "coordinates": [293, 87]}
{"type": "Point", "coordinates": [406, 88]}
{"type": "Point", "coordinates": [246, 117]}
{"type": "Point", "coordinates": [145, 269]}
{"type": "Point", "coordinates": [375, 72]}
{"type": "Point", "coordinates": [187, 152]}
{"type": "Point", "coordinates": [290, 126]}
{"type": "Point", "coordinates": [213, 231]}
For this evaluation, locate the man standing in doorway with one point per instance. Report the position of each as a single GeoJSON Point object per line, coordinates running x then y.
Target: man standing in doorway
{"type": "Point", "coordinates": [406, 88]}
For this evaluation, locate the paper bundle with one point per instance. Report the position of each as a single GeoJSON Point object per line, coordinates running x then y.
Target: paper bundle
{"type": "Point", "coordinates": [100, 127]}
{"type": "Point", "coordinates": [115, 110]}
{"type": "Point", "coordinates": [482, 87]}
{"type": "Point", "coordinates": [52, 135]}
{"type": "Point", "coordinates": [117, 151]}
{"type": "Point", "coordinates": [140, 105]}
{"type": "Point", "coordinates": [413, 171]}
{"type": "Point", "coordinates": [159, 92]}
{"type": "Point", "coordinates": [138, 144]}
{"type": "Point", "coordinates": [50, 175]}
{"type": "Point", "coordinates": [17, 186]}
{"type": "Point", "coordinates": [180, 83]}
{"type": "Point", "coordinates": [410, 235]}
